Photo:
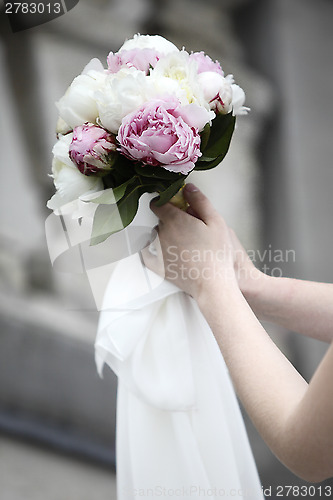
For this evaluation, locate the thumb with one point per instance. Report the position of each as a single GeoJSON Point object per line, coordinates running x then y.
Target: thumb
{"type": "Point", "coordinates": [199, 203]}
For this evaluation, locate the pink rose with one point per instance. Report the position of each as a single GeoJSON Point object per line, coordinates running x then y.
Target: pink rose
{"type": "Point", "coordinates": [92, 149]}
{"type": "Point", "coordinates": [157, 135]}
{"type": "Point", "coordinates": [205, 63]}
{"type": "Point", "coordinates": [140, 59]}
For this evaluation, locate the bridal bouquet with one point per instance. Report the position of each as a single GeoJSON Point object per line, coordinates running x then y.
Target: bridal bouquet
{"type": "Point", "coordinates": [141, 125]}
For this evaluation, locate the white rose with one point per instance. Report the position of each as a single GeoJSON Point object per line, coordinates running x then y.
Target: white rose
{"type": "Point", "coordinates": [217, 91]}
{"type": "Point", "coordinates": [68, 180]}
{"type": "Point", "coordinates": [78, 105]}
{"type": "Point", "coordinates": [156, 42]}
{"type": "Point", "coordinates": [123, 92]}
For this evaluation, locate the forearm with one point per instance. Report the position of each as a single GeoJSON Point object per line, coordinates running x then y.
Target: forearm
{"type": "Point", "coordinates": [302, 306]}
{"type": "Point", "coordinates": [274, 394]}
{"type": "Point", "coordinates": [311, 424]}
{"type": "Point", "coordinates": [269, 387]}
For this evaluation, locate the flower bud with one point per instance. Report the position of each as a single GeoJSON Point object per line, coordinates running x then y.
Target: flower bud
{"type": "Point", "coordinates": [217, 91]}
{"type": "Point", "coordinates": [93, 149]}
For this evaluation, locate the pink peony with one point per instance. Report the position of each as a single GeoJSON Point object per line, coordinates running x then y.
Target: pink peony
{"type": "Point", "coordinates": [141, 59]}
{"type": "Point", "coordinates": [157, 135]}
{"type": "Point", "coordinates": [205, 63]}
{"type": "Point", "coordinates": [92, 149]}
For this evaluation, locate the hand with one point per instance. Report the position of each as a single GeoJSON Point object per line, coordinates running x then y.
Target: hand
{"type": "Point", "coordinates": [194, 248]}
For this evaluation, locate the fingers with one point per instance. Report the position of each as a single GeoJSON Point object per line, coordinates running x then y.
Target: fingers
{"type": "Point", "coordinates": [199, 203]}
{"type": "Point", "coordinates": [200, 206]}
{"type": "Point", "coordinates": [190, 211]}
{"type": "Point", "coordinates": [165, 212]}
{"type": "Point", "coordinates": [152, 255]}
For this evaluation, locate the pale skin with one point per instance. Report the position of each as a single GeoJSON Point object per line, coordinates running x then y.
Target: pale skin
{"type": "Point", "coordinates": [293, 417]}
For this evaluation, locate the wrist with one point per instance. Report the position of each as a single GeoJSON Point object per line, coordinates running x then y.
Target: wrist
{"type": "Point", "coordinates": [218, 290]}
{"type": "Point", "coordinates": [260, 294]}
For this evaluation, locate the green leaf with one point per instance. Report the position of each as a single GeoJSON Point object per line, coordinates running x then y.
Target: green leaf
{"type": "Point", "coordinates": [123, 164]}
{"type": "Point", "coordinates": [156, 172]}
{"type": "Point", "coordinates": [128, 205]}
{"type": "Point", "coordinates": [208, 165]}
{"type": "Point", "coordinates": [106, 222]}
{"type": "Point", "coordinates": [110, 219]}
{"type": "Point", "coordinates": [121, 171]}
{"type": "Point", "coordinates": [168, 193]}
{"type": "Point", "coordinates": [215, 152]}
{"type": "Point", "coordinates": [220, 136]}
{"type": "Point", "coordinates": [205, 136]}
{"type": "Point", "coordinates": [113, 195]}
{"type": "Point", "coordinates": [205, 158]}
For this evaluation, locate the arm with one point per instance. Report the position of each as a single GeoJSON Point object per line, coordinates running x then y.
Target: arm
{"type": "Point", "coordinates": [296, 420]}
{"type": "Point", "coordinates": [302, 306]}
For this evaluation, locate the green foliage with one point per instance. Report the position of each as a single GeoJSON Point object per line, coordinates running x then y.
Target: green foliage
{"type": "Point", "coordinates": [218, 142]}
{"type": "Point", "coordinates": [113, 195]}
{"type": "Point", "coordinates": [109, 219]}
{"type": "Point", "coordinates": [156, 172]}
{"type": "Point", "coordinates": [205, 134]}
{"type": "Point", "coordinates": [170, 191]}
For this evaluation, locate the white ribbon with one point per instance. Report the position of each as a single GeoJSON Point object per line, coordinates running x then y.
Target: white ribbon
{"type": "Point", "coordinates": [180, 433]}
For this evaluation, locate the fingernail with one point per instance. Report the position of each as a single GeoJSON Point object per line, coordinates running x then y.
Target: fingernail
{"type": "Point", "coordinates": [191, 188]}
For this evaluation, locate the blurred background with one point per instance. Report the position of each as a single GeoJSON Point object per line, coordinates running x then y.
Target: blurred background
{"type": "Point", "coordinates": [57, 418]}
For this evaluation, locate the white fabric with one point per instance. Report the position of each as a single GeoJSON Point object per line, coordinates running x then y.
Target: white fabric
{"type": "Point", "coordinates": [180, 433]}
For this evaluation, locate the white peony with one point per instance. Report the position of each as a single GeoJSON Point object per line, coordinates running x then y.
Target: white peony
{"type": "Point", "coordinates": [68, 180]}
{"type": "Point", "coordinates": [161, 87]}
{"type": "Point", "coordinates": [78, 105]}
{"type": "Point", "coordinates": [238, 100]}
{"type": "Point", "coordinates": [238, 97]}
{"type": "Point", "coordinates": [217, 91]}
{"type": "Point", "coordinates": [93, 65]}
{"type": "Point", "coordinates": [180, 68]}
{"type": "Point", "coordinates": [123, 93]}
{"type": "Point", "coordinates": [156, 42]}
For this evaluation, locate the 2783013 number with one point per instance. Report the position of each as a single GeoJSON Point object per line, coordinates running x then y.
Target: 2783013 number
{"type": "Point", "coordinates": [304, 491]}
{"type": "Point", "coordinates": [32, 8]}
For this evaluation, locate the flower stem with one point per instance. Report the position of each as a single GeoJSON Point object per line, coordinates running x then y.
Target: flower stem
{"type": "Point", "coordinates": [178, 199]}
